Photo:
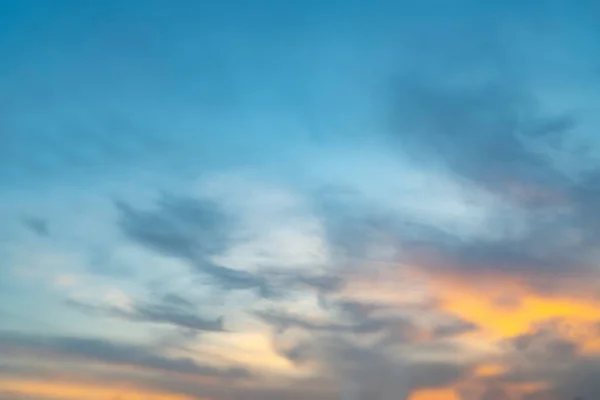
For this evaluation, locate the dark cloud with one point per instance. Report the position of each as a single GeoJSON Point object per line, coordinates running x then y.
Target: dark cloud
{"type": "Point", "coordinates": [544, 346]}
{"type": "Point", "coordinates": [495, 393]}
{"type": "Point", "coordinates": [357, 310]}
{"type": "Point", "coordinates": [114, 353]}
{"type": "Point", "coordinates": [193, 230]}
{"type": "Point", "coordinates": [540, 355]}
{"type": "Point", "coordinates": [186, 228]}
{"type": "Point", "coordinates": [453, 328]}
{"type": "Point", "coordinates": [343, 317]}
{"type": "Point", "coordinates": [162, 313]}
{"type": "Point", "coordinates": [490, 134]}
{"type": "Point", "coordinates": [283, 321]}
{"type": "Point", "coordinates": [324, 283]}
{"type": "Point", "coordinates": [576, 379]}
{"type": "Point", "coordinates": [580, 380]}
{"type": "Point", "coordinates": [169, 309]}
{"type": "Point", "coordinates": [39, 226]}
{"type": "Point", "coordinates": [375, 371]}
{"type": "Point", "coordinates": [428, 375]}
{"type": "Point", "coordinates": [298, 389]}
{"type": "Point", "coordinates": [233, 279]}
{"type": "Point", "coordinates": [353, 224]}
{"type": "Point", "coordinates": [549, 353]}
{"type": "Point", "coordinates": [173, 383]}
{"type": "Point", "coordinates": [495, 137]}
{"type": "Point", "coordinates": [198, 230]}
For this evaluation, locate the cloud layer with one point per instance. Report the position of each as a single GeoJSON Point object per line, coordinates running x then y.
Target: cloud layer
{"type": "Point", "coordinates": [287, 201]}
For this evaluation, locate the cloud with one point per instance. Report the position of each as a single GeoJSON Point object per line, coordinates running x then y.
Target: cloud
{"type": "Point", "coordinates": [355, 227]}
{"type": "Point", "coordinates": [547, 362]}
{"type": "Point", "coordinates": [196, 231]}
{"type": "Point", "coordinates": [38, 226]}
{"type": "Point", "coordinates": [343, 319]}
{"type": "Point", "coordinates": [375, 372]}
{"type": "Point", "coordinates": [186, 228]}
{"type": "Point", "coordinates": [113, 353]}
{"type": "Point", "coordinates": [580, 380]}
{"type": "Point", "coordinates": [7, 395]}
{"type": "Point", "coordinates": [370, 349]}
{"type": "Point", "coordinates": [453, 328]}
{"type": "Point", "coordinates": [495, 393]}
{"type": "Point", "coordinates": [520, 196]}
{"type": "Point", "coordinates": [496, 138]}
{"type": "Point", "coordinates": [169, 309]}
{"type": "Point", "coordinates": [284, 320]}
{"type": "Point", "coordinates": [168, 314]}
{"type": "Point", "coordinates": [193, 230]}
{"type": "Point", "coordinates": [545, 345]}
{"type": "Point", "coordinates": [325, 340]}
{"type": "Point", "coordinates": [444, 123]}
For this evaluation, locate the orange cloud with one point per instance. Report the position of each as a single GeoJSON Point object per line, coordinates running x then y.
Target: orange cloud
{"type": "Point", "coordinates": [73, 390]}
{"type": "Point", "coordinates": [434, 394]}
{"type": "Point", "coordinates": [480, 309]}
{"type": "Point", "coordinates": [477, 301]}
{"type": "Point", "coordinates": [488, 370]}
{"type": "Point", "coordinates": [501, 305]}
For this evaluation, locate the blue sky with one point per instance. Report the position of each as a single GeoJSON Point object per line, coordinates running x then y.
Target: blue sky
{"type": "Point", "coordinates": [326, 199]}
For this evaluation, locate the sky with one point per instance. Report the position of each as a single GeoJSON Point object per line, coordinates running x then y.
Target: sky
{"type": "Point", "coordinates": [333, 199]}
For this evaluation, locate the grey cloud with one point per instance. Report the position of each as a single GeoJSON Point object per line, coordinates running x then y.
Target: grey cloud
{"type": "Point", "coordinates": [544, 355]}
{"type": "Point", "coordinates": [344, 317]}
{"type": "Point", "coordinates": [322, 283]}
{"type": "Point", "coordinates": [170, 309]}
{"type": "Point", "coordinates": [545, 344]}
{"type": "Point", "coordinates": [166, 314]}
{"type": "Point", "coordinates": [580, 380]}
{"type": "Point", "coordinates": [453, 328]}
{"type": "Point", "coordinates": [283, 321]}
{"type": "Point", "coordinates": [375, 371]}
{"type": "Point", "coordinates": [104, 351]}
{"type": "Point", "coordinates": [39, 226]}
{"type": "Point", "coordinates": [434, 374]}
{"type": "Point", "coordinates": [179, 227]}
{"type": "Point", "coordinates": [352, 225]}
{"type": "Point", "coordinates": [371, 372]}
{"type": "Point", "coordinates": [359, 309]}
{"type": "Point", "coordinates": [198, 230]}
{"type": "Point", "coordinates": [495, 393]}
{"type": "Point", "coordinates": [577, 380]}
{"type": "Point", "coordinates": [298, 389]}
{"type": "Point", "coordinates": [494, 136]}
{"type": "Point", "coordinates": [549, 350]}
{"type": "Point", "coordinates": [232, 279]}
{"type": "Point", "coordinates": [193, 230]}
